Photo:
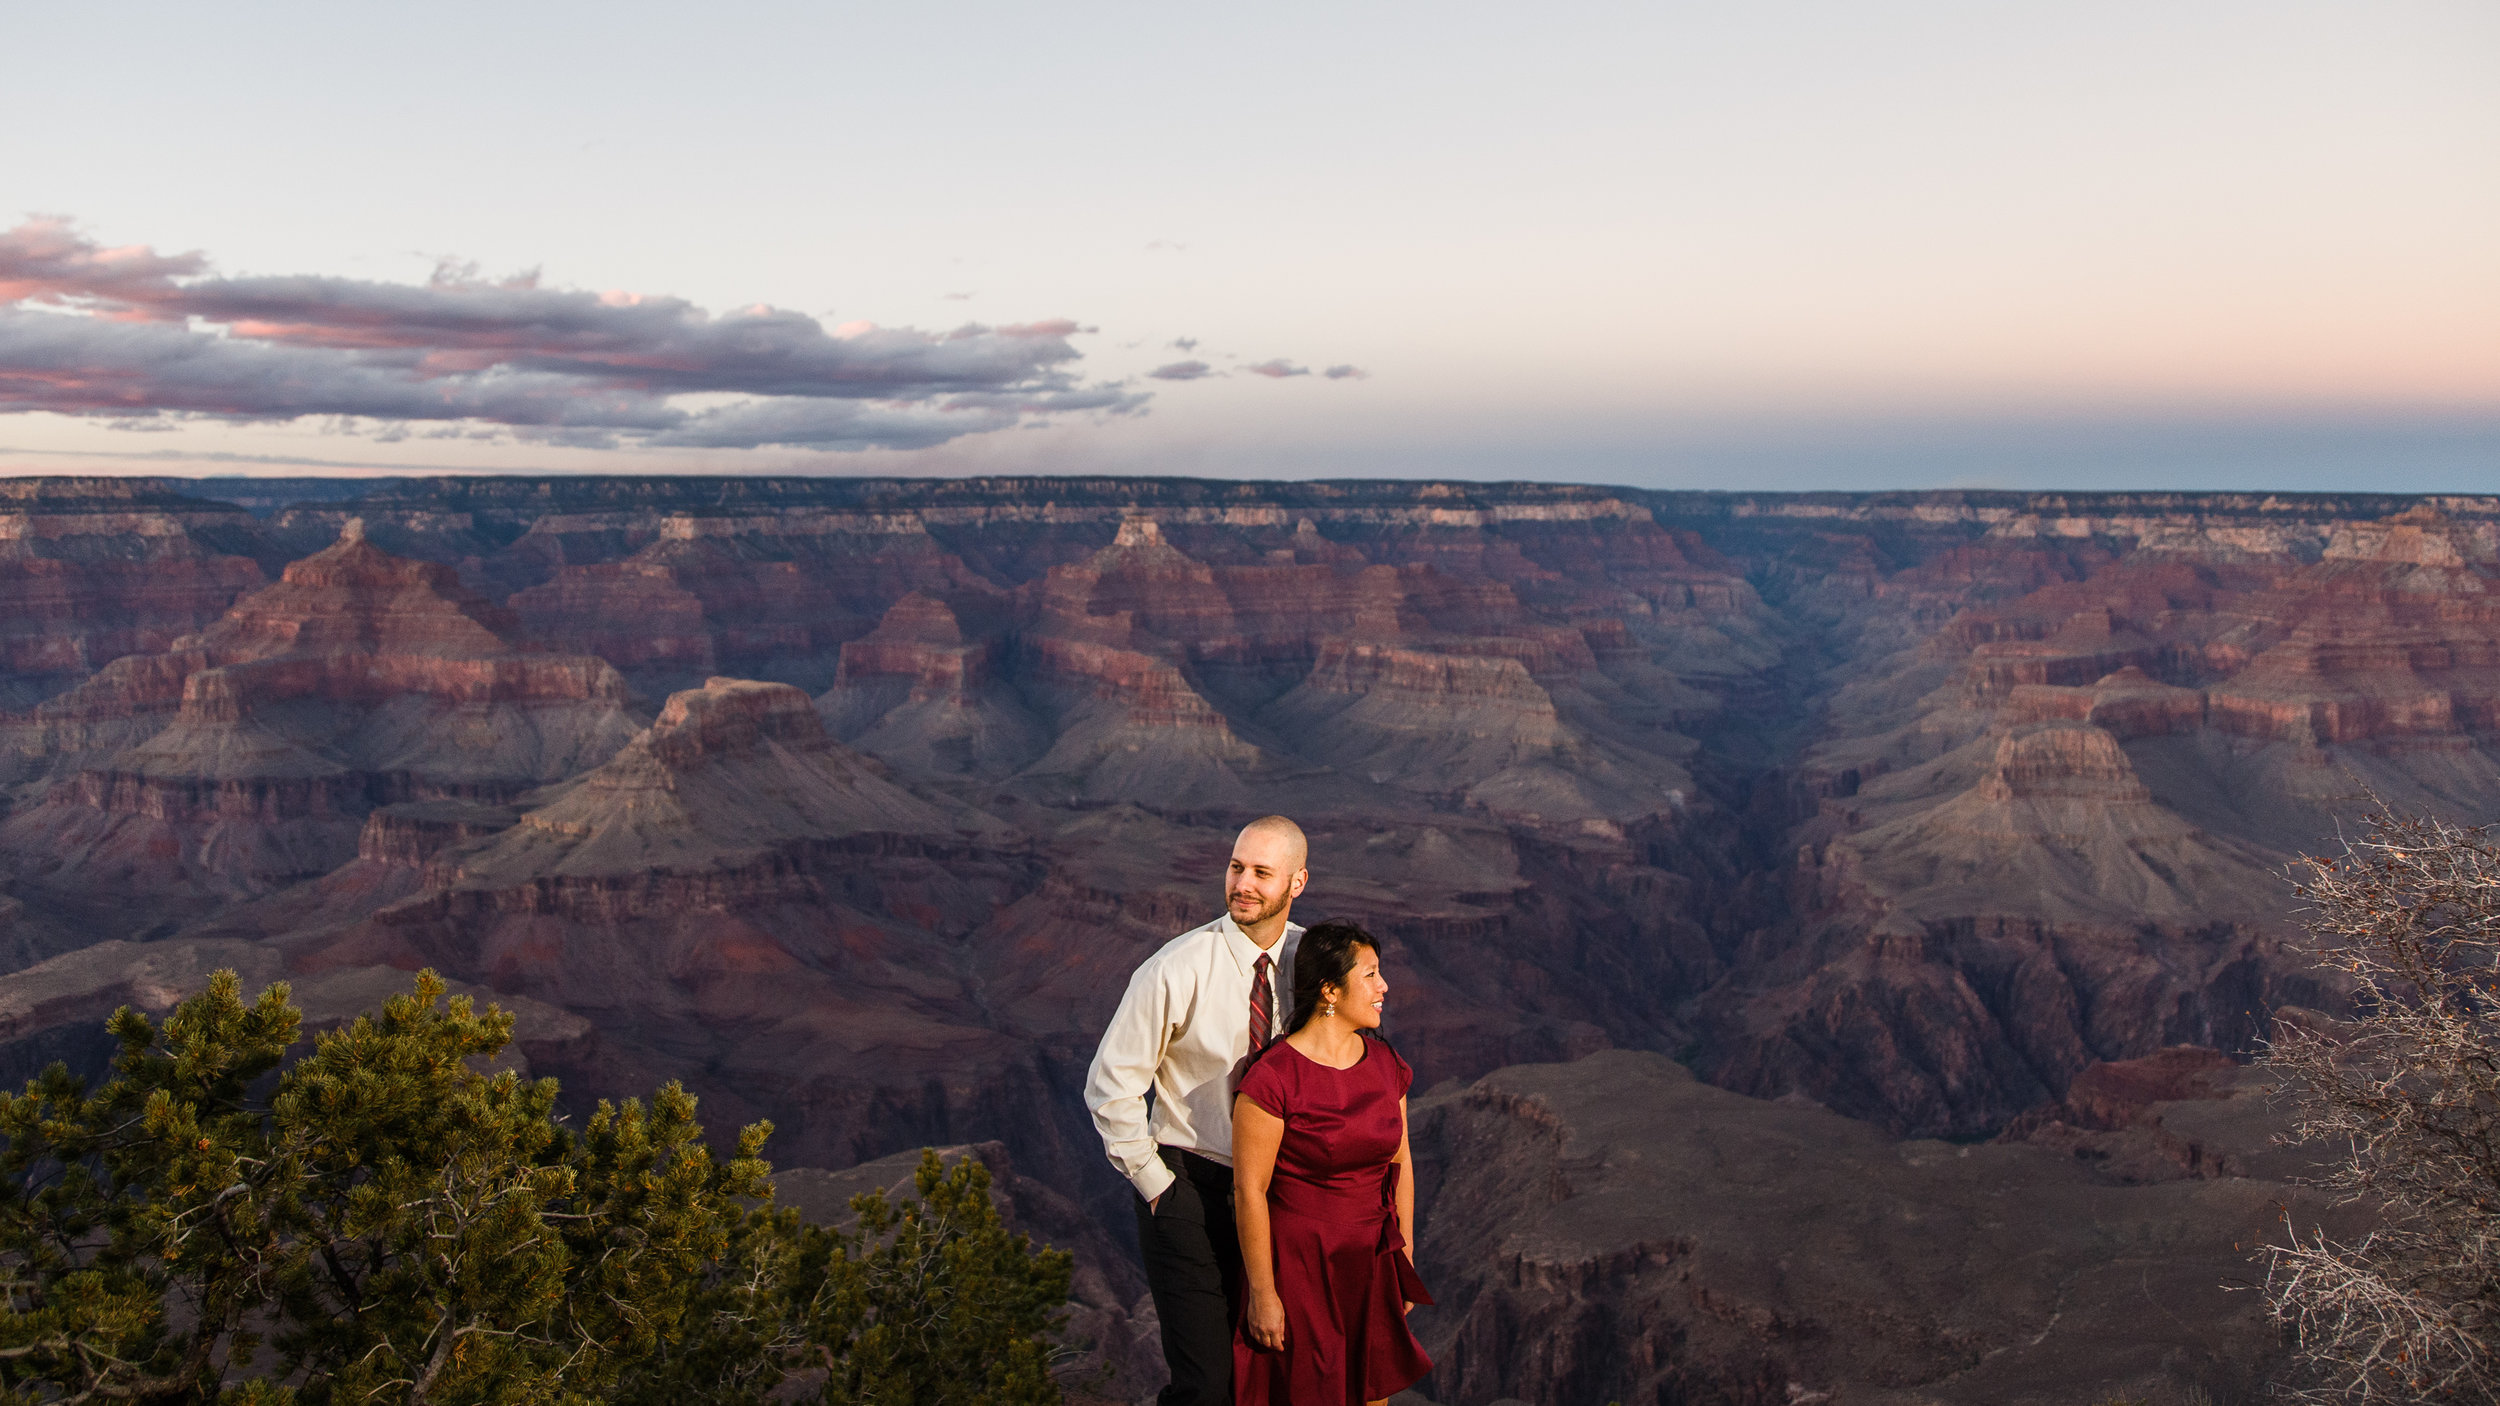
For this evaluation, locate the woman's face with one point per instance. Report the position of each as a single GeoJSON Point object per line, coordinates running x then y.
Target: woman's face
{"type": "Point", "coordinates": [1365, 991]}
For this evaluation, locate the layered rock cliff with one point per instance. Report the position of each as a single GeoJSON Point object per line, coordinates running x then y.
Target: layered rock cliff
{"type": "Point", "coordinates": [2052, 828]}
{"type": "Point", "coordinates": [246, 755]}
{"type": "Point", "coordinates": [1613, 1229]}
{"type": "Point", "coordinates": [853, 802]}
{"type": "Point", "coordinates": [94, 569]}
{"type": "Point", "coordinates": [1913, 803]}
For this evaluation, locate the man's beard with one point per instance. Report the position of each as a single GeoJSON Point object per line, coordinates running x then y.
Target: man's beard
{"type": "Point", "coordinates": [1262, 913]}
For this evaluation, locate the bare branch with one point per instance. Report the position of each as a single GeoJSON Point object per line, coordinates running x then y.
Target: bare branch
{"type": "Point", "coordinates": [2408, 1092]}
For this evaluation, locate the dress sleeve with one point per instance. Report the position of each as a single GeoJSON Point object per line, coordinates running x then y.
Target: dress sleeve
{"type": "Point", "coordinates": [1265, 1085]}
{"type": "Point", "coordinates": [1401, 1073]}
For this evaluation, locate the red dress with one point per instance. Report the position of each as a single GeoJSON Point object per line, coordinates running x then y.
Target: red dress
{"type": "Point", "coordinates": [1332, 1216]}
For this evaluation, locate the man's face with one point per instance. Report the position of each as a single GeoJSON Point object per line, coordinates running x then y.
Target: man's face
{"type": "Point", "coordinates": [1262, 878]}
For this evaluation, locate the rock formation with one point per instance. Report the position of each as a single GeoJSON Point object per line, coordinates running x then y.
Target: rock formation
{"type": "Point", "coordinates": [247, 755]}
{"type": "Point", "coordinates": [1918, 804]}
{"type": "Point", "coordinates": [1613, 1229]}
{"type": "Point", "coordinates": [94, 569]}
{"type": "Point", "coordinates": [2051, 829]}
{"type": "Point", "coordinates": [853, 802]}
{"type": "Point", "coordinates": [57, 1009]}
{"type": "Point", "coordinates": [919, 693]}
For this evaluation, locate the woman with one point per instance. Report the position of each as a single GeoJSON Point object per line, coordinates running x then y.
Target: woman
{"type": "Point", "coordinates": [1324, 1196]}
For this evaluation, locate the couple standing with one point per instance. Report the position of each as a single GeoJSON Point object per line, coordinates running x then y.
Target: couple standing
{"type": "Point", "coordinates": [1267, 1143]}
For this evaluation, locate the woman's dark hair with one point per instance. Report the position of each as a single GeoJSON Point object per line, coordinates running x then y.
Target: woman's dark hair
{"type": "Point", "coordinates": [1324, 958]}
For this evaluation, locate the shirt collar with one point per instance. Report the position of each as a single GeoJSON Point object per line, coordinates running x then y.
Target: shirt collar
{"type": "Point", "coordinates": [1246, 953]}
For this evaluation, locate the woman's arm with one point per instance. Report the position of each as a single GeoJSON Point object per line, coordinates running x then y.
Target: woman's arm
{"type": "Point", "coordinates": [1406, 1185]}
{"type": "Point", "coordinates": [1257, 1134]}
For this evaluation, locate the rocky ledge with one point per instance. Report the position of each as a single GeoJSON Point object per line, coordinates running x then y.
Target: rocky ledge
{"type": "Point", "coordinates": [1614, 1229]}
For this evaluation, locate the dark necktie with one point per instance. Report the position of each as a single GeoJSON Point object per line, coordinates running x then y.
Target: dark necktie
{"type": "Point", "coordinates": [1262, 1008]}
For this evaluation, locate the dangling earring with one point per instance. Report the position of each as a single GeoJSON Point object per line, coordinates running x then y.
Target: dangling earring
{"type": "Point", "coordinates": [1331, 1010]}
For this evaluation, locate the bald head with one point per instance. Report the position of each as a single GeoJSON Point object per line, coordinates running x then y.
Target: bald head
{"type": "Point", "coordinates": [1264, 876]}
{"type": "Point", "coordinates": [1276, 829]}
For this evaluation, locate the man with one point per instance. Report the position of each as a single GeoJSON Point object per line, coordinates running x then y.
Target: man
{"type": "Point", "coordinates": [1194, 1014]}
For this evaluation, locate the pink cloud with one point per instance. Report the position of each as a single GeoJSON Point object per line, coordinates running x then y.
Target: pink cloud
{"type": "Point", "coordinates": [46, 260]}
{"type": "Point", "coordinates": [1051, 327]}
{"type": "Point", "coordinates": [511, 352]}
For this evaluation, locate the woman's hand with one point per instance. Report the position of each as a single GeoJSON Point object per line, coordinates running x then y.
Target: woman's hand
{"type": "Point", "coordinates": [1267, 1320]}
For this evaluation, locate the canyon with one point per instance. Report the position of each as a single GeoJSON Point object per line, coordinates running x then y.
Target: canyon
{"type": "Point", "coordinates": [1861, 829]}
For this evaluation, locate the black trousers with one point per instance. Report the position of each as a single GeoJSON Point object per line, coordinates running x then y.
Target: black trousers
{"type": "Point", "coordinates": [1193, 1265]}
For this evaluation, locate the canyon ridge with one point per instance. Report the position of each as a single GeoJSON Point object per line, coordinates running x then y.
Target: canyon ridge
{"type": "Point", "coordinates": [1849, 852]}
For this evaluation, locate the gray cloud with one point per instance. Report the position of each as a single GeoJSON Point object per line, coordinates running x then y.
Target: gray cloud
{"type": "Point", "coordinates": [1277, 369]}
{"type": "Point", "coordinates": [1184, 344]}
{"type": "Point", "coordinates": [46, 258]}
{"type": "Point", "coordinates": [76, 365]}
{"type": "Point", "coordinates": [1347, 373]}
{"type": "Point", "coordinates": [1182, 371]}
{"type": "Point", "coordinates": [92, 331]}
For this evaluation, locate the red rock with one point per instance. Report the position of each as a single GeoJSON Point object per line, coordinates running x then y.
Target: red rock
{"type": "Point", "coordinates": [412, 833]}
{"type": "Point", "coordinates": [1915, 804]}
{"type": "Point", "coordinates": [632, 614]}
{"type": "Point", "coordinates": [768, 593]}
{"type": "Point", "coordinates": [732, 875]}
{"type": "Point", "coordinates": [95, 569]}
{"type": "Point", "coordinates": [919, 640]}
{"type": "Point", "coordinates": [253, 749]}
{"type": "Point", "coordinates": [2128, 704]}
{"type": "Point", "coordinates": [914, 692]}
{"type": "Point", "coordinates": [2113, 1094]}
{"type": "Point", "coordinates": [2062, 762]}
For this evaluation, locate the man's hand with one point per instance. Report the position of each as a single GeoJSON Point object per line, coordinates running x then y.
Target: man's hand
{"type": "Point", "coordinates": [1157, 1203]}
{"type": "Point", "coordinates": [1266, 1323]}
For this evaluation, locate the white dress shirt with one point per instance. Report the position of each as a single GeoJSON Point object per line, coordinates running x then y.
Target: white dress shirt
{"type": "Point", "coordinates": [1182, 1032]}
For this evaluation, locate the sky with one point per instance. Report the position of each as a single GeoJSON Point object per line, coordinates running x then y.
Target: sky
{"type": "Point", "coordinates": [1782, 245]}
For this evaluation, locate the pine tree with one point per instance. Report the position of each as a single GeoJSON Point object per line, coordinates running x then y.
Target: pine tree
{"type": "Point", "coordinates": [929, 1303]}
{"type": "Point", "coordinates": [378, 1220]}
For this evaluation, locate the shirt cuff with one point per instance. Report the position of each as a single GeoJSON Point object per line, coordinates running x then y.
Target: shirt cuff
{"type": "Point", "coordinates": [1153, 1180]}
